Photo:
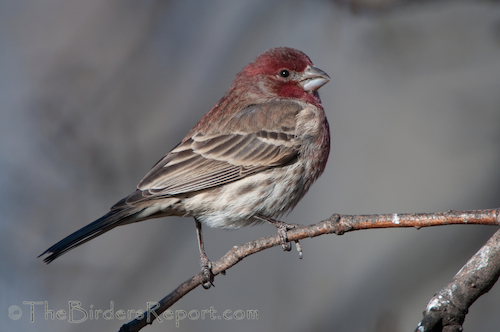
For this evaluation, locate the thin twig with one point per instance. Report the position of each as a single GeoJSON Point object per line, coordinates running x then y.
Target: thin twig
{"type": "Point", "coordinates": [336, 224]}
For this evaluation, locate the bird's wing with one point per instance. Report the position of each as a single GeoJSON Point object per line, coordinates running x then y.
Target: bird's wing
{"type": "Point", "coordinates": [265, 138]}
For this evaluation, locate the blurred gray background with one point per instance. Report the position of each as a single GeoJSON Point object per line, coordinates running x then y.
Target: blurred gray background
{"type": "Point", "coordinates": [93, 93]}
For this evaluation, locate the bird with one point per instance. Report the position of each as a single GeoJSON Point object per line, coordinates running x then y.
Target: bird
{"type": "Point", "coordinates": [249, 160]}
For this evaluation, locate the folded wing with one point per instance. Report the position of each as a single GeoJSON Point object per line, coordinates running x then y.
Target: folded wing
{"type": "Point", "coordinates": [216, 157]}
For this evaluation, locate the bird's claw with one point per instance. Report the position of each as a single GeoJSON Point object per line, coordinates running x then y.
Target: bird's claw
{"type": "Point", "coordinates": [287, 246]}
{"type": "Point", "coordinates": [208, 276]}
{"type": "Point", "coordinates": [283, 227]}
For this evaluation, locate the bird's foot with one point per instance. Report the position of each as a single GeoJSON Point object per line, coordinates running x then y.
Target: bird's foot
{"type": "Point", "coordinates": [283, 227]}
{"type": "Point", "coordinates": [206, 268]}
{"type": "Point", "coordinates": [282, 232]}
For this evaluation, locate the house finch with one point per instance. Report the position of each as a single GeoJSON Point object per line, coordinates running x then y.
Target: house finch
{"type": "Point", "coordinates": [250, 159]}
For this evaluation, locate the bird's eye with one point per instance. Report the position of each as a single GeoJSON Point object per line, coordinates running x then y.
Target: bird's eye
{"type": "Point", "coordinates": [284, 73]}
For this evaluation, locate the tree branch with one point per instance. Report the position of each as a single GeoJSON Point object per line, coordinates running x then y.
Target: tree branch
{"type": "Point", "coordinates": [336, 224]}
{"type": "Point", "coordinates": [447, 309]}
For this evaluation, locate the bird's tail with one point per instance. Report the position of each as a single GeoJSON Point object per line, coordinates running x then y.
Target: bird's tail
{"type": "Point", "coordinates": [113, 218]}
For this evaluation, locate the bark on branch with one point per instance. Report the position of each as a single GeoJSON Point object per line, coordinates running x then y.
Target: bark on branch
{"type": "Point", "coordinates": [447, 309]}
{"type": "Point", "coordinates": [340, 224]}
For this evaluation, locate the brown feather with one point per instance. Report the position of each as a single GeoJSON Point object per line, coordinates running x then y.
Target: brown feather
{"type": "Point", "coordinates": [266, 139]}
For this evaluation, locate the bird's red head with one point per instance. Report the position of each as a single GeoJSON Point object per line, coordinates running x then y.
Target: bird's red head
{"type": "Point", "coordinates": [276, 59]}
{"type": "Point", "coordinates": [284, 72]}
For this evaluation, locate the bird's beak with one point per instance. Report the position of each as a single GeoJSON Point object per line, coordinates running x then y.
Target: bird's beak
{"type": "Point", "coordinates": [313, 78]}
